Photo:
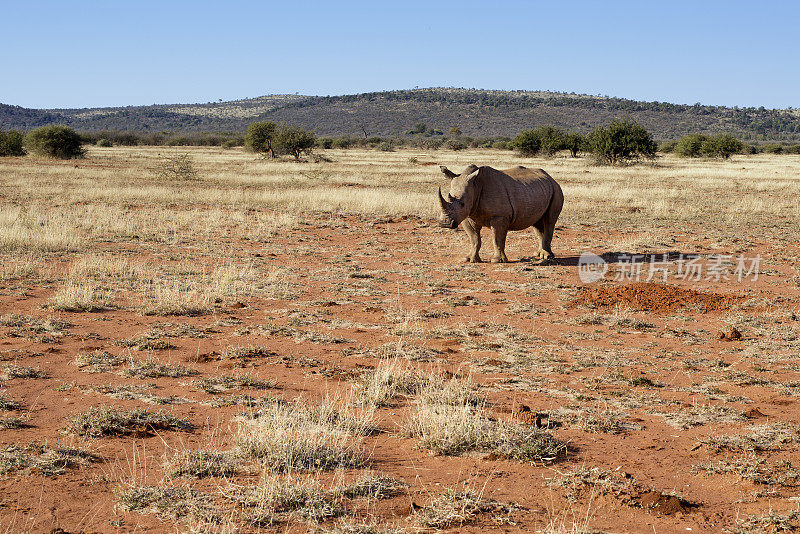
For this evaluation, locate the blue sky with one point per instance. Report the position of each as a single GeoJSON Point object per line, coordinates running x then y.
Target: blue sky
{"type": "Point", "coordinates": [104, 53]}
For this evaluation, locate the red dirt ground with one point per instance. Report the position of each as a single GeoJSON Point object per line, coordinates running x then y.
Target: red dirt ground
{"type": "Point", "coordinates": [515, 329]}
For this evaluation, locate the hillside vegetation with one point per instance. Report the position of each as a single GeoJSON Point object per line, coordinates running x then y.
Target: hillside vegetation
{"type": "Point", "coordinates": [474, 112]}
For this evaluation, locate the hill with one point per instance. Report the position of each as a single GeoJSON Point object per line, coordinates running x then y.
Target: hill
{"type": "Point", "coordinates": [479, 113]}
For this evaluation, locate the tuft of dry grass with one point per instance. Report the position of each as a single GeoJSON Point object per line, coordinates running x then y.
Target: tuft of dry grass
{"type": "Point", "coordinates": [103, 421]}
{"type": "Point", "coordinates": [77, 296]}
{"type": "Point", "coordinates": [285, 438]}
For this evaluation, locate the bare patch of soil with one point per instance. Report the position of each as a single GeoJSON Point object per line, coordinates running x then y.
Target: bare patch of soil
{"type": "Point", "coordinates": [659, 298]}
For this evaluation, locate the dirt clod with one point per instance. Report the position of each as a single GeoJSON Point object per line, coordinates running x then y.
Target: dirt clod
{"type": "Point", "coordinates": [664, 504]}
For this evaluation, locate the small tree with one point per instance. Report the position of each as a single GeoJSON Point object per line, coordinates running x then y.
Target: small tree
{"type": "Point", "coordinates": [621, 141]}
{"type": "Point", "coordinates": [11, 144]}
{"type": "Point", "coordinates": [294, 140]}
{"type": "Point", "coordinates": [527, 143]}
{"type": "Point", "coordinates": [721, 146]}
{"type": "Point", "coordinates": [261, 138]}
{"type": "Point", "coordinates": [545, 139]}
{"type": "Point", "coordinates": [574, 142]}
{"type": "Point", "coordinates": [690, 146]}
{"type": "Point", "coordinates": [455, 131]}
{"type": "Point", "coordinates": [55, 141]}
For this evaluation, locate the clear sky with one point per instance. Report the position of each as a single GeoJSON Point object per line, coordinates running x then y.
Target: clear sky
{"type": "Point", "coordinates": [82, 53]}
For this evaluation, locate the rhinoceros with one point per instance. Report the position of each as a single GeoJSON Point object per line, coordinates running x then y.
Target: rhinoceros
{"type": "Point", "coordinates": [511, 199]}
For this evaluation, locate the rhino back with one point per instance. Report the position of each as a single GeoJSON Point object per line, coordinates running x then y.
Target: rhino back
{"type": "Point", "coordinates": [521, 194]}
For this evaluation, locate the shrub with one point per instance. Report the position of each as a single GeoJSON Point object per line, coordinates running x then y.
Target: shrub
{"type": "Point", "coordinates": [343, 142]}
{"type": "Point", "coordinates": [772, 148]}
{"type": "Point", "coordinates": [690, 146]}
{"type": "Point", "coordinates": [455, 144]}
{"type": "Point", "coordinates": [620, 142]}
{"type": "Point", "coordinates": [11, 144]}
{"type": "Point", "coordinates": [325, 142]}
{"type": "Point", "coordinates": [386, 146]}
{"type": "Point", "coordinates": [261, 138]}
{"type": "Point", "coordinates": [105, 143]}
{"type": "Point", "coordinates": [545, 139]}
{"type": "Point", "coordinates": [721, 146]}
{"type": "Point", "coordinates": [177, 167]}
{"type": "Point", "coordinates": [527, 143]}
{"type": "Point", "coordinates": [55, 141]}
{"type": "Point", "coordinates": [667, 147]}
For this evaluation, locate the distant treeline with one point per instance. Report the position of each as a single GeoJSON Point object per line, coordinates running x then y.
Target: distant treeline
{"type": "Point", "coordinates": [429, 139]}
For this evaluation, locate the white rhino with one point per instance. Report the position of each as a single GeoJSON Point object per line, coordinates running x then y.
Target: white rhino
{"type": "Point", "coordinates": [512, 199]}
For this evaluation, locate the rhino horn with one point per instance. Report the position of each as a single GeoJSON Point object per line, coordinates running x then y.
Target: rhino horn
{"type": "Point", "coordinates": [442, 201]}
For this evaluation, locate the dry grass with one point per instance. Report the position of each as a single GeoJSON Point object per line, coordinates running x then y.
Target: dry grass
{"type": "Point", "coordinates": [286, 438]}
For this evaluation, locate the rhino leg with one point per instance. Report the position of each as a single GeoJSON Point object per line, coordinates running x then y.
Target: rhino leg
{"type": "Point", "coordinates": [549, 221]}
{"type": "Point", "coordinates": [538, 232]}
{"type": "Point", "coordinates": [499, 231]}
{"type": "Point", "coordinates": [474, 233]}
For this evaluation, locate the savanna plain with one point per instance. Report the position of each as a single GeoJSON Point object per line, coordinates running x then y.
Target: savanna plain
{"type": "Point", "coordinates": [270, 345]}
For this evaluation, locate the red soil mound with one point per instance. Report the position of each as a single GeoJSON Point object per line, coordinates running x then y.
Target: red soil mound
{"type": "Point", "coordinates": [664, 504]}
{"type": "Point", "coordinates": [655, 297]}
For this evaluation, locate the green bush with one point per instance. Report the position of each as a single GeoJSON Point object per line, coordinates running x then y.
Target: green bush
{"type": "Point", "coordinates": [772, 148]}
{"type": "Point", "coordinates": [11, 144]}
{"type": "Point", "coordinates": [690, 146]}
{"type": "Point", "coordinates": [721, 146]}
{"type": "Point", "coordinates": [545, 139]}
{"type": "Point", "coordinates": [105, 143]}
{"type": "Point", "coordinates": [574, 142]}
{"type": "Point", "coordinates": [343, 142]}
{"type": "Point", "coordinates": [527, 143]}
{"type": "Point", "coordinates": [385, 146]}
{"type": "Point", "coordinates": [325, 142]}
{"type": "Point", "coordinates": [55, 141]}
{"type": "Point", "coordinates": [620, 142]}
{"type": "Point", "coordinates": [295, 141]}
{"type": "Point", "coordinates": [261, 138]}
{"type": "Point", "coordinates": [667, 147]}
{"type": "Point", "coordinates": [455, 144]}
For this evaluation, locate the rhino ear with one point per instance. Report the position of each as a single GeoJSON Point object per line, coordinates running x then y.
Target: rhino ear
{"type": "Point", "coordinates": [447, 172]}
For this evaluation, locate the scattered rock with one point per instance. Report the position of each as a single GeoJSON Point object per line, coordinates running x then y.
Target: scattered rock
{"type": "Point", "coordinates": [754, 413]}
{"type": "Point", "coordinates": [732, 334]}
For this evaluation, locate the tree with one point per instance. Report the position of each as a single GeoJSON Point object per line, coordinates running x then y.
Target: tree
{"type": "Point", "coordinates": [545, 139]}
{"type": "Point", "coordinates": [55, 141]}
{"type": "Point", "coordinates": [527, 143]}
{"type": "Point", "coordinates": [574, 142]}
{"type": "Point", "coordinates": [261, 137]}
{"type": "Point", "coordinates": [294, 140]}
{"type": "Point", "coordinates": [552, 139]}
{"type": "Point", "coordinates": [455, 131]}
{"type": "Point", "coordinates": [721, 146]}
{"type": "Point", "coordinates": [690, 146]}
{"type": "Point", "coordinates": [621, 141]}
{"type": "Point", "coordinates": [11, 144]}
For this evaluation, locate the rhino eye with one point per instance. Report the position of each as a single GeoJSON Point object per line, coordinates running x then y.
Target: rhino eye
{"type": "Point", "coordinates": [461, 202]}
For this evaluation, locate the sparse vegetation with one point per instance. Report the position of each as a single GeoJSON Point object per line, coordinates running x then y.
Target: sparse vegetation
{"type": "Point", "coordinates": [105, 421]}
